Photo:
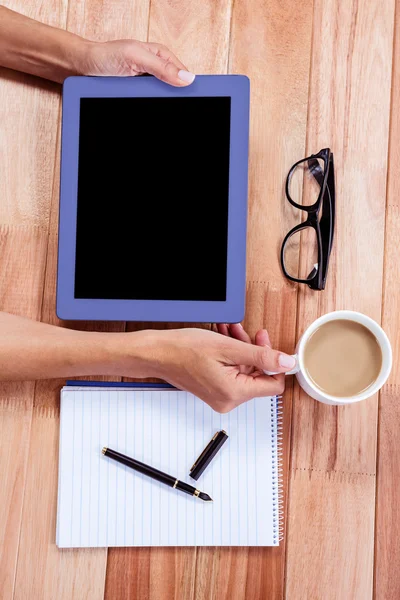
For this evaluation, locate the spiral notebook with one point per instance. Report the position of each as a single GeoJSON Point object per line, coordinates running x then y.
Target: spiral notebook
{"type": "Point", "coordinates": [103, 503]}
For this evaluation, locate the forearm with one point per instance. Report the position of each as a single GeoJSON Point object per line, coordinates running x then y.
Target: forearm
{"type": "Point", "coordinates": [30, 350]}
{"type": "Point", "coordinates": [29, 46]}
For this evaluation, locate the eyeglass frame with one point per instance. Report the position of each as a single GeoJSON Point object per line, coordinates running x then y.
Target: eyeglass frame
{"type": "Point", "coordinates": [324, 227]}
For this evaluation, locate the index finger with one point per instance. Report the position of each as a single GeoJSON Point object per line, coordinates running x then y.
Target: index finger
{"type": "Point", "coordinates": [262, 338]}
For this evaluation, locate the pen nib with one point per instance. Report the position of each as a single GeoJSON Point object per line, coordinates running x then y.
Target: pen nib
{"type": "Point", "coordinates": [205, 497]}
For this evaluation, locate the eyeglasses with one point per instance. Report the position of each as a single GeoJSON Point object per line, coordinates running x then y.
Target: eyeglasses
{"type": "Point", "coordinates": [307, 247]}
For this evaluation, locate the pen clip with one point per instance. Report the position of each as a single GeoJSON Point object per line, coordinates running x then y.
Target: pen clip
{"type": "Point", "coordinates": [204, 451]}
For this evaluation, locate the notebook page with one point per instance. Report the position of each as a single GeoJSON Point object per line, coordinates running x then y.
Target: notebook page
{"type": "Point", "coordinates": [104, 503]}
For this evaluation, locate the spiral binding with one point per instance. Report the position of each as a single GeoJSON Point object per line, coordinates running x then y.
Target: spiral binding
{"type": "Point", "coordinates": [277, 467]}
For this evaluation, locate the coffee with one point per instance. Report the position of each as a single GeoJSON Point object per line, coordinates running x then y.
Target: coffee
{"type": "Point", "coordinates": [342, 358]}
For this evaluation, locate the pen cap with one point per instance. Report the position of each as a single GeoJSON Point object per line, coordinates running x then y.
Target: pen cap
{"type": "Point", "coordinates": [208, 454]}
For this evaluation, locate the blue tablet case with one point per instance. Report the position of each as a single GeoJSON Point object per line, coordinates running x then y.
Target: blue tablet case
{"type": "Point", "coordinates": [230, 310]}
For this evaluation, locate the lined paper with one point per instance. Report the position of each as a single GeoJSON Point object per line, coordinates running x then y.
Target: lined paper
{"type": "Point", "coordinates": [104, 503]}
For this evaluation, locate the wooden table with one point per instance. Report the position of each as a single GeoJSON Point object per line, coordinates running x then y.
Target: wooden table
{"type": "Point", "coordinates": [323, 73]}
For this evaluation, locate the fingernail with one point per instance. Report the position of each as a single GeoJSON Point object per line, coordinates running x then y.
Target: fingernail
{"type": "Point", "coordinates": [186, 76]}
{"type": "Point", "coordinates": [286, 361]}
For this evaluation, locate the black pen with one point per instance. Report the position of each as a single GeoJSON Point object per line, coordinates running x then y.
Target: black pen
{"type": "Point", "coordinates": [156, 474]}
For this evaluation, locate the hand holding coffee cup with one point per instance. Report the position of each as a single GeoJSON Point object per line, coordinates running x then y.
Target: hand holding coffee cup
{"type": "Point", "coordinates": [343, 357]}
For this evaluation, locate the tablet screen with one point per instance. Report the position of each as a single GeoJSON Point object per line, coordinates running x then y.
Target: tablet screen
{"type": "Point", "coordinates": [152, 217]}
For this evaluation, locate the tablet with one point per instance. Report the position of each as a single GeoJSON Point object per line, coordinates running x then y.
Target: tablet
{"type": "Point", "coordinates": [153, 199]}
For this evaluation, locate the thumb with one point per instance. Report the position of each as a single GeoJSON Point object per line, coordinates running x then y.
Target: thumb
{"type": "Point", "coordinates": [163, 69]}
{"type": "Point", "coordinates": [262, 357]}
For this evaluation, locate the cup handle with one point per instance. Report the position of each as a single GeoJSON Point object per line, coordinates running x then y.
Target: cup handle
{"type": "Point", "coordinates": [293, 371]}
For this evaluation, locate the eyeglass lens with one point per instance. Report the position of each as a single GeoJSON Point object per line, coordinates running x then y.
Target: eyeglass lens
{"type": "Point", "coordinates": [306, 180]}
{"type": "Point", "coordinates": [301, 253]}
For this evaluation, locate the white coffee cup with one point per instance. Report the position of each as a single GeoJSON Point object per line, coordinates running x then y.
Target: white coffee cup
{"type": "Point", "coordinates": [307, 384]}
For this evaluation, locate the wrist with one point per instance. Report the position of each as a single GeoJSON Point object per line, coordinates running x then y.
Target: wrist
{"type": "Point", "coordinates": [134, 354]}
{"type": "Point", "coordinates": [75, 52]}
{"type": "Point", "coordinates": [66, 56]}
{"type": "Point", "coordinates": [79, 56]}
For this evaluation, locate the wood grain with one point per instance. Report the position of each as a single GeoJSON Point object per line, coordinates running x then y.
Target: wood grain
{"type": "Point", "coordinates": [15, 423]}
{"type": "Point", "coordinates": [162, 573]}
{"type": "Point", "coordinates": [197, 32]}
{"type": "Point", "coordinates": [109, 20]}
{"type": "Point", "coordinates": [28, 116]}
{"type": "Point", "coordinates": [21, 283]}
{"type": "Point", "coordinates": [387, 550]}
{"type": "Point", "coordinates": [335, 533]}
{"type": "Point", "coordinates": [348, 107]}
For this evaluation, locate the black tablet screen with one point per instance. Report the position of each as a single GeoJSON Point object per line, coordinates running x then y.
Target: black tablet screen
{"type": "Point", "coordinates": [153, 198]}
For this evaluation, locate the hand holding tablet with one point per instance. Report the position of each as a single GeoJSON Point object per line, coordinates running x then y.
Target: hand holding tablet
{"type": "Point", "coordinates": [133, 57]}
{"type": "Point", "coordinates": [153, 199]}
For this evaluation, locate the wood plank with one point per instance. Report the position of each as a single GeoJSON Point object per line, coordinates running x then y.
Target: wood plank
{"type": "Point", "coordinates": [348, 107]}
{"type": "Point", "coordinates": [21, 284]}
{"type": "Point", "coordinates": [387, 550]}
{"type": "Point", "coordinates": [351, 511]}
{"type": "Point", "coordinates": [28, 113]}
{"type": "Point", "coordinates": [160, 573]}
{"type": "Point", "coordinates": [198, 33]}
{"type": "Point", "coordinates": [108, 20]}
{"type": "Point", "coordinates": [270, 43]}
{"type": "Point", "coordinates": [15, 424]}
{"type": "Point", "coordinates": [239, 573]}
{"type": "Point", "coordinates": [42, 568]}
